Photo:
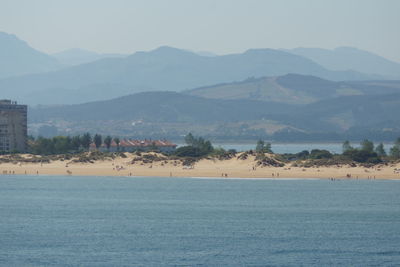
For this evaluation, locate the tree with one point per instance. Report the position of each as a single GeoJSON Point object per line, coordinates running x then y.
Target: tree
{"type": "Point", "coordinates": [76, 142]}
{"type": "Point", "coordinates": [61, 144]}
{"type": "Point", "coordinates": [395, 150]}
{"type": "Point", "coordinates": [117, 141]}
{"type": "Point", "coordinates": [43, 146]}
{"type": "Point", "coordinates": [320, 154]}
{"type": "Point", "coordinates": [188, 151]}
{"type": "Point", "coordinates": [346, 146]}
{"type": "Point", "coordinates": [190, 140]}
{"type": "Point", "coordinates": [380, 150]}
{"type": "Point", "coordinates": [367, 146]}
{"type": "Point", "coordinates": [98, 140]}
{"type": "Point", "coordinates": [196, 146]}
{"type": "Point", "coordinates": [153, 146]}
{"type": "Point", "coordinates": [107, 142]}
{"type": "Point", "coordinates": [263, 147]}
{"type": "Point", "coordinates": [362, 156]}
{"type": "Point", "coordinates": [86, 140]}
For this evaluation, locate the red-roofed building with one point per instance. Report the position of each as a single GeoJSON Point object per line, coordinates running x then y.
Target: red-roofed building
{"type": "Point", "coordinates": [130, 145]}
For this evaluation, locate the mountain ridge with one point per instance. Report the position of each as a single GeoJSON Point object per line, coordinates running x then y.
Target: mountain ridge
{"type": "Point", "coordinates": [345, 58]}
{"type": "Point", "coordinates": [293, 89]}
{"type": "Point", "coordinates": [164, 68]}
{"type": "Point", "coordinates": [18, 58]}
{"type": "Point", "coordinates": [157, 111]}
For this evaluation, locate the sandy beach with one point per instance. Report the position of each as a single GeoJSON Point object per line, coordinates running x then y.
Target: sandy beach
{"type": "Point", "coordinates": [227, 168]}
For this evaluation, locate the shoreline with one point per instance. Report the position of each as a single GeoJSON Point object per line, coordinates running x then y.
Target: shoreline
{"type": "Point", "coordinates": [207, 177]}
{"type": "Point", "coordinates": [234, 168]}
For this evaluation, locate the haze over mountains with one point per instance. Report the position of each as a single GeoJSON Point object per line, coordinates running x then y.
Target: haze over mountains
{"type": "Point", "coordinates": [172, 114]}
{"type": "Point", "coordinates": [293, 89]}
{"type": "Point", "coordinates": [103, 77]}
{"type": "Point", "coordinates": [77, 56]}
{"type": "Point", "coordinates": [165, 68]}
{"type": "Point", "coordinates": [261, 92]}
{"type": "Point", "coordinates": [18, 58]}
{"type": "Point", "coordinates": [350, 58]}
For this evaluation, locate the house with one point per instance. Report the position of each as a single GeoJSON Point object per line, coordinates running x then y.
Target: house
{"type": "Point", "coordinates": [130, 145]}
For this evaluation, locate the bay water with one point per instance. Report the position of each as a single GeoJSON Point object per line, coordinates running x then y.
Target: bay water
{"type": "Point", "coordinates": [108, 221]}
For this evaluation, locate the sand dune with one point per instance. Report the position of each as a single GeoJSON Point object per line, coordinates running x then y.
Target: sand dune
{"type": "Point", "coordinates": [232, 168]}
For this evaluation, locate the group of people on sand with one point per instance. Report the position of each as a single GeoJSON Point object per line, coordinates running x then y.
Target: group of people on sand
{"type": "Point", "coordinates": [5, 172]}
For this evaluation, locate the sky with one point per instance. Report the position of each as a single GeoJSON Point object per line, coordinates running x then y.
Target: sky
{"type": "Point", "coordinates": [219, 26]}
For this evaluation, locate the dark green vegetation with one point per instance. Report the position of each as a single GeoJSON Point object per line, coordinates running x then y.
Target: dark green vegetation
{"type": "Point", "coordinates": [76, 147]}
{"type": "Point", "coordinates": [195, 147]}
{"type": "Point", "coordinates": [263, 147]}
{"type": "Point", "coordinates": [367, 154]}
{"type": "Point", "coordinates": [67, 144]}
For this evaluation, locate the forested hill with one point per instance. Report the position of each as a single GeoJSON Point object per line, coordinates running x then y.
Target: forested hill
{"type": "Point", "coordinates": [294, 89]}
{"type": "Point", "coordinates": [162, 107]}
{"type": "Point", "coordinates": [362, 113]}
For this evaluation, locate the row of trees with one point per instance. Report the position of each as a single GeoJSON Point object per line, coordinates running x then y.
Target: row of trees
{"type": "Point", "coordinates": [367, 152]}
{"type": "Point", "coordinates": [199, 147]}
{"type": "Point", "coordinates": [68, 144]}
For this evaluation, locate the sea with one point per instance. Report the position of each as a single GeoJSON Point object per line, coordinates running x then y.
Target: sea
{"type": "Point", "coordinates": [156, 221]}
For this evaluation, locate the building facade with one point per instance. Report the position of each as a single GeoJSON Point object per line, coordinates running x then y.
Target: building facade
{"type": "Point", "coordinates": [13, 126]}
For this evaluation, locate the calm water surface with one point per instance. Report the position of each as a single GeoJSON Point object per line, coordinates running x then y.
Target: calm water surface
{"type": "Point", "coordinates": [93, 221]}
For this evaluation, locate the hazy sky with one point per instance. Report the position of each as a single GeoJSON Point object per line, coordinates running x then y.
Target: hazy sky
{"type": "Point", "coordinates": [220, 26]}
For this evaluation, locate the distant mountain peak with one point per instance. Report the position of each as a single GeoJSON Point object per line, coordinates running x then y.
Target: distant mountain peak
{"type": "Point", "coordinates": [4, 35]}
{"type": "Point", "coordinates": [169, 50]}
{"type": "Point", "coordinates": [262, 51]}
{"type": "Point", "coordinates": [12, 41]}
{"type": "Point", "coordinates": [76, 50]}
{"type": "Point", "coordinates": [18, 58]}
{"type": "Point", "coordinates": [350, 58]}
{"type": "Point", "coordinates": [77, 56]}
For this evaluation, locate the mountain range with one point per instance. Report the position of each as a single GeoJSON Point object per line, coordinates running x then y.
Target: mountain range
{"type": "Point", "coordinates": [18, 58]}
{"type": "Point", "coordinates": [165, 68]}
{"type": "Point", "coordinates": [294, 89]}
{"type": "Point", "coordinates": [368, 109]}
{"type": "Point", "coordinates": [77, 56]}
{"type": "Point", "coordinates": [168, 91]}
{"type": "Point", "coordinates": [350, 58]}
